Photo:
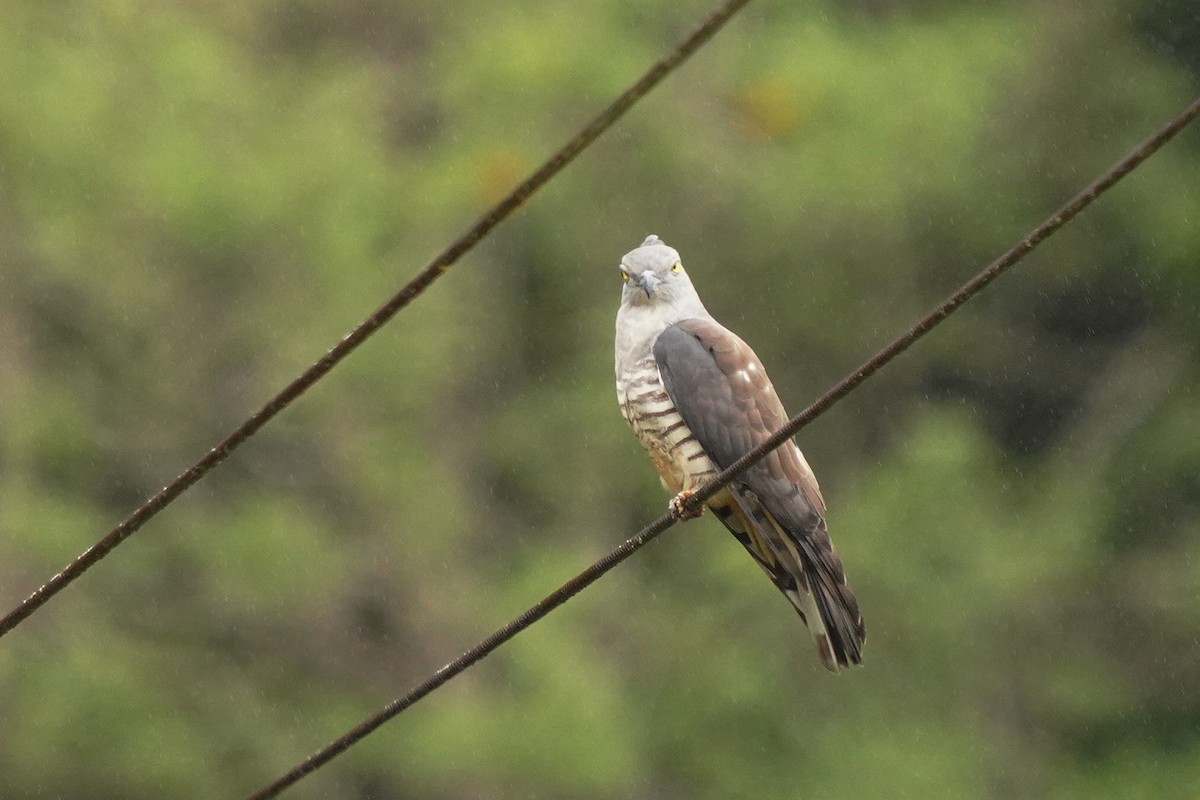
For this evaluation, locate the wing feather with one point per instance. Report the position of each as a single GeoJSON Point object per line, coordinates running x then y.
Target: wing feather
{"type": "Point", "coordinates": [720, 388]}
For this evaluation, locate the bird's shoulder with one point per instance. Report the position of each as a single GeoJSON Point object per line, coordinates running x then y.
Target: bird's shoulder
{"type": "Point", "coordinates": [729, 353]}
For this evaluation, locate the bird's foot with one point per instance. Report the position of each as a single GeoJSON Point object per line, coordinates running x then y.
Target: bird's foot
{"type": "Point", "coordinates": [680, 511]}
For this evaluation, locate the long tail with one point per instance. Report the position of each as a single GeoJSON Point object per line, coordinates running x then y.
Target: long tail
{"type": "Point", "coordinates": [806, 568]}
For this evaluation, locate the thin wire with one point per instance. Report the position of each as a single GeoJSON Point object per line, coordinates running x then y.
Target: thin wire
{"type": "Point", "coordinates": [951, 304]}
{"type": "Point", "coordinates": [482, 227]}
{"type": "Point", "coordinates": [897, 346]}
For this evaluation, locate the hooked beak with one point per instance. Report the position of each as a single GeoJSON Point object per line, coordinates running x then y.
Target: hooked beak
{"type": "Point", "coordinates": [648, 281]}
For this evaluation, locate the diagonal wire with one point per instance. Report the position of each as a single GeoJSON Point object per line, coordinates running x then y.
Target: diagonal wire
{"type": "Point", "coordinates": [482, 227]}
{"type": "Point", "coordinates": [627, 548]}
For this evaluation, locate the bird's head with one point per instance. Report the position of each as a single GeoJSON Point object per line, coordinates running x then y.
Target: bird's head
{"type": "Point", "coordinates": [654, 276]}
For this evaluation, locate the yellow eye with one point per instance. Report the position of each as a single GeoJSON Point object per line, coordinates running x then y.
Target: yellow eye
{"type": "Point", "coordinates": [624, 275]}
{"type": "Point", "coordinates": [676, 267]}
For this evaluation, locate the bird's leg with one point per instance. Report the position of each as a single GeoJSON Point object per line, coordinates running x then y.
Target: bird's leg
{"type": "Point", "coordinates": [679, 510]}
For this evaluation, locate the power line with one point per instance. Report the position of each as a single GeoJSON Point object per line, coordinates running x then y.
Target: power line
{"type": "Point", "coordinates": [365, 329]}
{"type": "Point", "coordinates": [897, 346]}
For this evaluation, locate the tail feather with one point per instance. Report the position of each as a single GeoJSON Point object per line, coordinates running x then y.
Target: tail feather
{"type": "Point", "coordinates": [806, 568]}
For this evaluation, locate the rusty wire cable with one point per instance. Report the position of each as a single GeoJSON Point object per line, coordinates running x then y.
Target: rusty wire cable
{"type": "Point", "coordinates": [365, 329]}
{"type": "Point", "coordinates": [897, 346]}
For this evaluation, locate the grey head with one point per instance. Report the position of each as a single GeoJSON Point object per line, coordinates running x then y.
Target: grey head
{"type": "Point", "coordinates": [656, 293]}
{"type": "Point", "coordinates": [654, 278]}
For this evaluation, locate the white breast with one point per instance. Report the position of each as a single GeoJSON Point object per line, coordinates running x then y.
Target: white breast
{"type": "Point", "coordinates": [677, 456]}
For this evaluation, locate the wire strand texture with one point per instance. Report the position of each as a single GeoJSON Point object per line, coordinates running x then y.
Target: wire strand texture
{"type": "Point", "coordinates": [627, 548]}
{"type": "Point", "coordinates": [364, 330]}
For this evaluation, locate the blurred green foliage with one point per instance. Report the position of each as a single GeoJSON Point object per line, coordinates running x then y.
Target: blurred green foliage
{"type": "Point", "coordinates": [196, 200]}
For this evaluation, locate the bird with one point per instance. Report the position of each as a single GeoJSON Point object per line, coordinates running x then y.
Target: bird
{"type": "Point", "coordinates": [698, 398]}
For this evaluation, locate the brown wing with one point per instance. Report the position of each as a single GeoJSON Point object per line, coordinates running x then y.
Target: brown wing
{"type": "Point", "coordinates": [721, 390]}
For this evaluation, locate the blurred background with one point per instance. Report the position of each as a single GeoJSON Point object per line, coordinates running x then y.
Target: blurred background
{"type": "Point", "coordinates": [198, 199]}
